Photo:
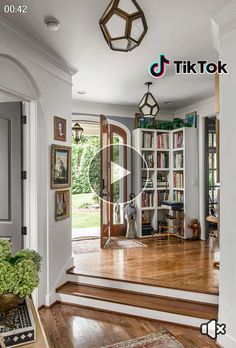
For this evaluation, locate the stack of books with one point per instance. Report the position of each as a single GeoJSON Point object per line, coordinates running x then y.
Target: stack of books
{"type": "Point", "coordinates": [162, 160]}
{"type": "Point", "coordinates": [163, 141]}
{"type": "Point", "coordinates": [147, 182]}
{"type": "Point", "coordinates": [147, 229]}
{"type": "Point", "coordinates": [147, 140]}
{"type": "Point", "coordinates": [178, 140]}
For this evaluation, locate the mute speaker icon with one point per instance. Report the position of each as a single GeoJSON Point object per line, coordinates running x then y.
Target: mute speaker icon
{"type": "Point", "coordinates": [212, 329]}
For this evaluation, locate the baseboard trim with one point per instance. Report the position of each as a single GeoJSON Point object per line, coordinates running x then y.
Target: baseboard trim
{"type": "Point", "coordinates": [226, 341]}
{"type": "Point", "coordinates": [52, 297]}
{"type": "Point", "coordinates": [48, 307]}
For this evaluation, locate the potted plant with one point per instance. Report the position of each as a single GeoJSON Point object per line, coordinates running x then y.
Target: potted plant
{"type": "Point", "coordinates": [19, 275]}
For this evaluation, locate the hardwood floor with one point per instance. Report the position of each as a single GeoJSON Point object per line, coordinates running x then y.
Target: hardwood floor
{"type": "Point", "coordinates": [175, 264]}
{"type": "Point", "coordinates": [72, 327]}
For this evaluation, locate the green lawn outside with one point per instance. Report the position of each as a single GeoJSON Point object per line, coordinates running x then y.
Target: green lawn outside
{"type": "Point", "coordinates": [82, 217]}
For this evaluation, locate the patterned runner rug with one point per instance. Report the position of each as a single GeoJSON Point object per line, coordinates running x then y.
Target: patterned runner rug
{"type": "Point", "coordinates": [161, 339]}
{"type": "Point", "coordinates": [122, 243]}
{"type": "Point", "coordinates": [93, 245]}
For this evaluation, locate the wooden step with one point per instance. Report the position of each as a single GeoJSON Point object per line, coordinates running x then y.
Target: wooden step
{"type": "Point", "coordinates": [147, 301]}
{"type": "Point", "coordinates": [91, 279]}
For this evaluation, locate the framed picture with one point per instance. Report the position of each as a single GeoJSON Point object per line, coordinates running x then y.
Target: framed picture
{"type": "Point", "coordinates": [190, 119]}
{"type": "Point", "coordinates": [60, 166]}
{"type": "Point", "coordinates": [59, 128]}
{"type": "Point", "coordinates": [62, 205]}
{"type": "Point", "coordinates": [143, 122]}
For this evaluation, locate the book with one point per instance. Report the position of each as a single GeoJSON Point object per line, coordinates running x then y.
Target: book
{"type": "Point", "coordinates": [178, 180]}
{"type": "Point", "coordinates": [162, 160]}
{"type": "Point", "coordinates": [178, 140]}
{"type": "Point", "coordinates": [178, 196]}
{"type": "Point", "coordinates": [163, 141]}
{"type": "Point", "coordinates": [148, 160]}
{"type": "Point", "coordinates": [147, 141]}
{"type": "Point", "coordinates": [178, 160]}
{"type": "Point", "coordinates": [147, 199]}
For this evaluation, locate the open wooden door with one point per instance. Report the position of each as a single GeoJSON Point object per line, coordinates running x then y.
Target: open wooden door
{"type": "Point", "coordinates": [105, 180]}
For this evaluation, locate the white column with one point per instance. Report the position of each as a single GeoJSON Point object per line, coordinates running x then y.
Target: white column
{"type": "Point", "coordinates": [226, 20]}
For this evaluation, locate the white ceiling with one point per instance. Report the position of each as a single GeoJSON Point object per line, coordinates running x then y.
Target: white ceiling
{"type": "Point", "coordinates": [180, 29]}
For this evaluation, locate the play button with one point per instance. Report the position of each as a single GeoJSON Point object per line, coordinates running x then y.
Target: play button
{"type": "Point", "coordinates": [117, 170]}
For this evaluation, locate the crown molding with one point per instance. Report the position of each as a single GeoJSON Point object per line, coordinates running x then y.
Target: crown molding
{"type": "Point", "coordinates": [226, 18]}
{"type": "Point", "coordinates": [24, 39]}
{"type": "Point", "coordinates": [205, 107]}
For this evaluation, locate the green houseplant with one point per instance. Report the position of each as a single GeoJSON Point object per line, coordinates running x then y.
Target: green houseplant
{"type": "Point", "coordinates": [19, 275]}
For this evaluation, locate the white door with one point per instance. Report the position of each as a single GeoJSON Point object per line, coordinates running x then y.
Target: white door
{"type": "Point", "coordinates": [10, 173]}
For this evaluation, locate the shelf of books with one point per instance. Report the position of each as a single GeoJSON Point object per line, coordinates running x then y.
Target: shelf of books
{"type": "Point", "coordinates": [172, 175]}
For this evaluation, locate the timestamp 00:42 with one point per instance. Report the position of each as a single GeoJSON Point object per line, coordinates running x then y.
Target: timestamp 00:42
{"type": "Point", "coordinates": [15, 9]}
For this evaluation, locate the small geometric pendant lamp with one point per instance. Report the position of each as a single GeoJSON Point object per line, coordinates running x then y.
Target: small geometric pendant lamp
{"type": "Point", "coordinates": [148, 105]}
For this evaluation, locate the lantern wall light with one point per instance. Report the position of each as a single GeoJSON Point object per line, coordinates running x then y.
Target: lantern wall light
{"type": "Point", "coordinates": [148, 105]}
{"type": "Point", "coordinates": [123, 25]}
{"type": "Point", "coordinates": [77, 132]}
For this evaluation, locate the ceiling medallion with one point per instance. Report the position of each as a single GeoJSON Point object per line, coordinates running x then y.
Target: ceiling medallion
{"type": "Point", "coordinates": [123, 25]}
{"type": "Point", "coordinates": [148, 105]}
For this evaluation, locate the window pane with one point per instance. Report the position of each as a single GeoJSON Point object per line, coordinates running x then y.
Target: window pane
{"type": "Point", "coordinates": [215, 162]}
{"type": "Point", "coordinates": [210, 160]}
{"type": "Point", "coordinates": [210, 139]}
{"type": "Point", "coordinates": [215, 177]}
{"type": "Point", "coordinates": [210, 178]}
{"type": "Point", "coordinates": [214, 139]}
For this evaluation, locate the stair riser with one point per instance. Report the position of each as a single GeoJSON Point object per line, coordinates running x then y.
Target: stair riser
{"type": "Point", "coordinates": [130, 310]}
{"type": "Point", "coordinates": [146, 289]}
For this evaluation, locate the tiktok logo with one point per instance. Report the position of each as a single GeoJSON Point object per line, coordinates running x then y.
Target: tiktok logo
{"type": "Point", "coordinates": [158, 69]}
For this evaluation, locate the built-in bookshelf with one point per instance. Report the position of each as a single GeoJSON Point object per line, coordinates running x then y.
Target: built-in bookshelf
{"type": "Point", "coordinates": [172, 160]}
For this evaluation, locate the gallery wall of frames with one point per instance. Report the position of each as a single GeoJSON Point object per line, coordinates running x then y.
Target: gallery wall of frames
{"type": "Point", "coordinates": [61, 171]}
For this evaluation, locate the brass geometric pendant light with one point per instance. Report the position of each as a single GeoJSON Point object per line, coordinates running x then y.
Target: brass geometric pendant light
{"type": "Point", "coordinates": [148, 105]}
{"type": "Point", "coordinates": [123, 25]}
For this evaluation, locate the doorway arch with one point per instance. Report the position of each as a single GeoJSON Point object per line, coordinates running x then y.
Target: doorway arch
{"type": "Point", "coordinates": [19, 84]}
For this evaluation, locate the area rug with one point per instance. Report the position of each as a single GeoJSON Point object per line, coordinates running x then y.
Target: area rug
{"type": "Point", "coordinates": [161, 339]}
{"type": "Point", "coordinates": [86, 246]}
{"type": "Point", "coordinates": [122, 243]}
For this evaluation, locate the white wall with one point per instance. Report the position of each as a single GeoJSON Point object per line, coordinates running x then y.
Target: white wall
{"type": "Point", "coordinates": [227, 309]}
{"type": "Point", "coordinates": [204, 109]}
{"type": "Point", "coordinates": [27, 72]}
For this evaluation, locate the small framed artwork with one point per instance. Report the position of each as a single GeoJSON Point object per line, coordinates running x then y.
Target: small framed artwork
{"type": "Point", "coordinates": [143, 122]}
{"type": "Point", "coordinates": [59, 128]}
{"type": "Point", "coordinates": [60, 166]}
{"type": "Point", "coordinates": [190, 119]}
{"type": "Point", "coordinates": [62, 205]}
